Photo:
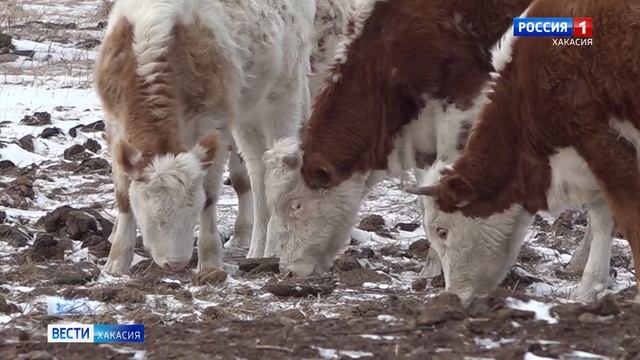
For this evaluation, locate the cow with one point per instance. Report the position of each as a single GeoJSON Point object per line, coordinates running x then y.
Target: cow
{"type": "Point", "coordinates": [561, 128]}
{"type": "Point", "coordinates": [329, 25]}
{"type": "Point", "coordinates": [180, 83]}
{"type": "Point", "coordinates": [401, 94]}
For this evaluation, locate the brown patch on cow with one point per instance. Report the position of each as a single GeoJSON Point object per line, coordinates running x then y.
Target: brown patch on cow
{"type": "Point", "coordinates": [122, 201]}
{"type": "Point", "coordinates": [211, 144]}
{"type": "Point", "coordinates": [553, 97]}
{"type": "Point", "coordinates": [440, 50]}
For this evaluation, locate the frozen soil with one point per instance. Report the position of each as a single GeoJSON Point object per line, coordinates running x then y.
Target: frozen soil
{"type": "Point", "coordinates": [57, 210]}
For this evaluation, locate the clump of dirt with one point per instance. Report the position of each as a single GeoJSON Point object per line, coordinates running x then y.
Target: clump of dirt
{"type": "Point", "coordinates": [527, 255]}
{"type": "Point", "coordinates": [79, 224]}
{"type": "Point", "coordinates": [37, 119]}
{"type": "Point", "coordinates": [26, 142]}
{"type": "Point", "coordinates": [93, 127]}
{"type": "Point", "coordinates": [606, 306]}
{"type": "Point", "coordinates": [16, 236]}
{"type": "Point", "coordinates": [484, 306]}
{"type": "Point", "coordinates": [7, 308]}
{"type": "Point", "coordinates": [390, 250]}
{"type": "Point", "coordinates": [3, 216]}
{"type": "Point", "coordinates": [213, 313]}
{"type": "Point", "coordinates": [77, 274]}
{"type": "Point", "coordinates": [357, 277]}
{"type": "Point", "coordinates": [76, 152]}
{"type": "Point", "coordinates": [297, 287]}
{"type": "Point", "coordinates": [442, 308]}
{"type": "Point", "coordinates": [259, 265]}
{"type": "Point", "coordinates": [46, 248]}
{"type": "Point", "coordinates": [51, 132]}
{"type": "Point", "coordinates": [117, 294]}
{"type": "Point", "coordinates": [518, 278]}
{"type": "Point", "coordinates": [346, 263]}
{"type": "Point", "coordinates": [374, 223]}
{"type": "Point", "coordinates": [19, 193]}
{"type": "Point", "coordinates": [438, 282]}
{"type": "Point", "coordinates": [410, 227]}
{"type": "Point", "coordinates": [92, 146]}
{"type": "Point", "coordinates": [86, 225]}
{"type": "Point", "coordinates": [91, 165]}
{"type": "Point", "coordinates": [420, 248]}
{"type": "Point", "coordinates": [210, 276]}
{"type": "Point", "coordinates": [419, 284]}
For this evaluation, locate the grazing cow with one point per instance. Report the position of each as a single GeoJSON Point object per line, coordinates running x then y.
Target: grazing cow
{"type": "Point", "coordinates": [562, 127]}
{"type": "Point", "coordinates": [401, 93]}
{"type": "Point", "coordinates": [176, 79]}
{"type": "Point", "coordinates": [329, 25]}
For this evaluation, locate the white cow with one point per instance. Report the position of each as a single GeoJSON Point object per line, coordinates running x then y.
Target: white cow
{"type": "Point", "coordinates": [177, 79]}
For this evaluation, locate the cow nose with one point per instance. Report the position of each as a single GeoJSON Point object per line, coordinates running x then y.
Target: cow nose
{"type": "Point", "coordinates": [174, 266]}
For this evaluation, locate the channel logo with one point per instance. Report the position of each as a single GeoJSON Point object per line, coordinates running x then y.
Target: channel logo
{"type": "Point", "coordinates": [553, 27]}
{"type": "Point", "coordinates": [95, 333]}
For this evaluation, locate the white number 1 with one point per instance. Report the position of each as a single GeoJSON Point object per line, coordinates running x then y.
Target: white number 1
{"type": "Point", "coordinates": [583, 25]}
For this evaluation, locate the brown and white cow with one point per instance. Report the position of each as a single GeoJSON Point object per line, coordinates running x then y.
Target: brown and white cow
{"type": "Point", "coordinates": [176, 79]}
{"type": "Point", "coordinates": [402, 93]}
{"type": "Point", "coordinates": [562, 127]}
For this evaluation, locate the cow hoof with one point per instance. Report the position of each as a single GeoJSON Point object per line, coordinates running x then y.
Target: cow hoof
{"type": "Point", "coordinates": [589, 293]}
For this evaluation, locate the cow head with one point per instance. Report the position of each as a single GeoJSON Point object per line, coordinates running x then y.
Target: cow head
{"type": "Point", "coordinates": [167, 197]}
{"type": "Point", "coordinates": [310, 226]}
{"type": "Point", "coordinates": [476, 253]}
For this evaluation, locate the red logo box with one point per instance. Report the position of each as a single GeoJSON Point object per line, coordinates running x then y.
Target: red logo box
{"type": "Point", "coordinates": [582, 27]}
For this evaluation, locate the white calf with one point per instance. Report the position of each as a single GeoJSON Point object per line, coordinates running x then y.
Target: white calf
{"type": "Point", "coordinates": [169, 74]}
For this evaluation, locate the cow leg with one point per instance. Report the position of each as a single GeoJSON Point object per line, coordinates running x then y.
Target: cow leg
{"type": "Point", "coordinates": [242, 186]}
{"type": "Point", "coordinates": [209, 244]}
{"type": "Point", "coordinates": [252, 145]}
{"type": "Point", "coordinates": [595, 277]}
{"type": "Point", "coordinates": [579, 259]}
{"type": "Point", "coordinates": [615, 167]}
{"type": "Point", "coordinates": [123, 235]}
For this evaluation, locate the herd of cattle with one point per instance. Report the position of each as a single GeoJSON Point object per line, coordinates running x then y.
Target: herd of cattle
{"type": "Point", "coordinates": [315, 101]}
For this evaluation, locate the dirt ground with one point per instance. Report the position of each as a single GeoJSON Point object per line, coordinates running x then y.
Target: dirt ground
{"type": "Point", "coordinates": [57, 209]}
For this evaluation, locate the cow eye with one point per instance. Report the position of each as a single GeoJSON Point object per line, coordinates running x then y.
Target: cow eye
{"type": "Point", "coordinates": [442, 233]}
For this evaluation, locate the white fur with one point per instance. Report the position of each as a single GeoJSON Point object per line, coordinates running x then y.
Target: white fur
{"type": "Point", "coordinates": [501, 53]}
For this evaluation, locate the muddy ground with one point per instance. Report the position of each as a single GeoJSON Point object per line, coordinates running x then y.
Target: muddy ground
{"type": "Point", "coordinates": [57, 210]}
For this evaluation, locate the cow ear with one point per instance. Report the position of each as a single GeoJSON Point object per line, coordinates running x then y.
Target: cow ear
{"type": "Point", "coordinates": [457, 190]}
{"type": "Point", "coordinates": [319, 173]}
{"type": "Point", "coordinates": [207, 148]}
{"type": "Point", "coordinates": [130, 160]}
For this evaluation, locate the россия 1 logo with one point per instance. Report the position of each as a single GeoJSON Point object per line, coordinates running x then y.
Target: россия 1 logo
{"type": "Point", "coordinates": [565, 31]}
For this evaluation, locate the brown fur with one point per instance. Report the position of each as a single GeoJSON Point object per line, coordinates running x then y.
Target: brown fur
{"type": "Point", "coordinates": [551, 97]}
{"type": "Point", "coordinates": [408, 50]}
